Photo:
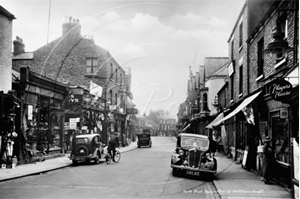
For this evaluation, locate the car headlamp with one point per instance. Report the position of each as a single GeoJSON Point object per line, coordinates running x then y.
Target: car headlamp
{"type": "Point", "coordinates": [181, 152]}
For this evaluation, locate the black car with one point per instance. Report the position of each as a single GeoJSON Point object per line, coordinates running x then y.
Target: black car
{"type": "Point", "coordinates": [87, 147]}
{"type": "Point", "coordinates": [144, 139]}
{"type": "Point", "coordinates": [191, 156]}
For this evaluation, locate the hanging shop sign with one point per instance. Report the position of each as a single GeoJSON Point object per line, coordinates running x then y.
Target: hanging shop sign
{"type": "Point", "coordinates": [75, 99]}
{"type": "Point", "coordinates": [281, 90]}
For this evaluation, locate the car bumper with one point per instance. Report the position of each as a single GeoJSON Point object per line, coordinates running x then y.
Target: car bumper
{"type": "Point", "coordinates": [186, 168]}
{"type": "Point", "coordinates": [81, 158]}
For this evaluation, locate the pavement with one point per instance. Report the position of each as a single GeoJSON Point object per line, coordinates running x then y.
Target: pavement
{"type": "Point", "coordinates": [41, 167]}
{"type": "Point", "coordinates": [234, 182]}
{"type": "Point", "coordinates": [231, 182]}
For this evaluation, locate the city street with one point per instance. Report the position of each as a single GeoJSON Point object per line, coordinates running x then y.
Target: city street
{"type": "Point", "coordinates": [141, 173]}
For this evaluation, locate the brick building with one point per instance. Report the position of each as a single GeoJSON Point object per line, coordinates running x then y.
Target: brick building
{"type": "Point", "coordinates": [261, 98]}
{"type": "Point", "coordinates": [77, 61]}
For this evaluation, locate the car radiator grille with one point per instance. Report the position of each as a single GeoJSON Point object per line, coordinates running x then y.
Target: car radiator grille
{"type": "Point", "coordinates": [194, 158]}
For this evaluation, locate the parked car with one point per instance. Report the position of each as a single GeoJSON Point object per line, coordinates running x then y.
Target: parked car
{"type": "Point", "coordinates": [144, 139]}
{"type": "Point", "coordinates": [86, 148]}
{"type": "Point", "coordinates": [191, 156]}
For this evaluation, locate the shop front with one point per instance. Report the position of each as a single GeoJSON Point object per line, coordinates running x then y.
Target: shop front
{"type": "Point", "coordinates": [83, 114]}
{"type": "Point", "coordinates": [281, 117]}
{"type": "Point", "coordinates": [43, 113]}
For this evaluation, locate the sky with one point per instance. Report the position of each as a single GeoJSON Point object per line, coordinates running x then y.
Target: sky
{"type": "Point", "coordinates": [158, 40]}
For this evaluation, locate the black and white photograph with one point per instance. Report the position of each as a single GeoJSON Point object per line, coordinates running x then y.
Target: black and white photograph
{"type": "Point", "coordinates": [149, 99]}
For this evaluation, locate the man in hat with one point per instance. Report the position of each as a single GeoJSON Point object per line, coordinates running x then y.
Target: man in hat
{"type": "Point", "coordinates": [268, 162]}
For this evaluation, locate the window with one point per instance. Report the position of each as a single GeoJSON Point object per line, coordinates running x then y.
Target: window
{"type": "Point", "coordinates": [110, 96]}
{"type": "Point", "coordinates": [121, 79]}
{"type": "Point", "coordinates": [241, 35]}
{"type": "Point", "coordinates": [282, 26]}
{"type": "Point", "coordinates": [232, 86]}
{"type": "Point", "coordinates": [241, 80]}
{"type": "Point", "coordinates": [232, 50]}
{"type": "Point", "coordinates": [91, 65]}
{"type": "Point", "coordinates": [116, 74]}
{"type": "Point", "coordinates": [111, 69]}
{"type": "Point", "coordinates": [205, 106]}
{"type": "Point", "coordinates": [260, 58]}
{"type": "Point", "coordinates": [116, 99]}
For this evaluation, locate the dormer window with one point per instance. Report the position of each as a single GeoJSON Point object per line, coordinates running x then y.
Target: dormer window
{"type": "Point", "coordinates": [91, 65]}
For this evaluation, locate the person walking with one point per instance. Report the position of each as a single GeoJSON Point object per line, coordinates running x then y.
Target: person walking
{"type": "Point", "coordinates": [112, 144]}
{"type": "Point", "coordinates": [268, 162]}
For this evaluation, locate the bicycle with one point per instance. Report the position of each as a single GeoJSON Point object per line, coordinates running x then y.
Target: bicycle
{"type": "Point", "coordinates": [108, 157]}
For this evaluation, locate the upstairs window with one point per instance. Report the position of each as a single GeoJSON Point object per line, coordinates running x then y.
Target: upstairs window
{"type": "Point", "coordinates": [282, 26]}
{"type": "Point", "coordinates": [260, 57]}
{"type": "Point", "coordinates": [241, 80]}
{"type": "Point", "coordinates": [116, 74]}
{"type": "Point", "coordinates": [205, 106]}
{"type": "Point", "coordinates": [231, 86]}
{"type": "Point", "coordinates": [241, 35]}
{"type": "Point", "coordinates": [91, 65]}
{"type": "Point", "coordinates": [121, 79]}
{"type": "Point", "coordinates": [232, 50]}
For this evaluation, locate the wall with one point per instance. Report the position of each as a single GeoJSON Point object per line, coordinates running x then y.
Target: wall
{"type": "Point", "coordinates": [5, 50]}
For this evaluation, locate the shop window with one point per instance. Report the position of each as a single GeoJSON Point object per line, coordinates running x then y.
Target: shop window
{"type": "Point", "coordinates": [280, 137]}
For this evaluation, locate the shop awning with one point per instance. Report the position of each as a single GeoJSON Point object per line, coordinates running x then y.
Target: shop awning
{"type": "Point", "coordinates": [218, 118]}
{"type": "Point", "coordinates": [246, 101]}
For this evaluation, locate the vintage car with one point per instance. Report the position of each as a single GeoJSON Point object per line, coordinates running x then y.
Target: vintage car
{"type": "Point", "coordinates": [191, 156]}
{"type": "Point", "coordinates": [144, 138]}
{"type": "Point", "coordinates": [85, 148]}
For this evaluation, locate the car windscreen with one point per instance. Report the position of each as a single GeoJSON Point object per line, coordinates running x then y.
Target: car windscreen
{"type": "Point", "coordinates": [196, 142]}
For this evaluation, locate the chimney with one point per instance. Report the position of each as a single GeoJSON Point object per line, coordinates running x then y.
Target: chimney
{"type": "Point", "coordinates": [19, 46]}
{"type": "Point", "coordinates": [89, 37]}
{"type": "Point", "coordinates": [71, 27]}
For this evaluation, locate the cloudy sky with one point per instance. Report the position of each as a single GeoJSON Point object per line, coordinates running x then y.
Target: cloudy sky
{"type": "Point", "coordinates": [158, 40]}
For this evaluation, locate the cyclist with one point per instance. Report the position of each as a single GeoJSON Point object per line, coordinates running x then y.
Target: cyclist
{"type": "Point", "coordinates": [112, 144]}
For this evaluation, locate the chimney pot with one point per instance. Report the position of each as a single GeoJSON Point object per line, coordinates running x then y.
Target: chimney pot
{"type": "Point", "coordinates": [19, 46]}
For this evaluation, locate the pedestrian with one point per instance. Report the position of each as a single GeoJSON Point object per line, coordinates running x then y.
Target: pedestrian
{"type": "Point", "coordinates": [112, 144]}
{"type": "Point", "coordinates": [268, 162]}
{"type": "Point", "coordinates": [212, 145]}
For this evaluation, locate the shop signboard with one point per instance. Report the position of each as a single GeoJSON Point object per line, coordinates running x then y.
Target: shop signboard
{"type": "Point", "coordinates": [73, 125]}
{"type": "Point", "coordinates": [131, 111]}
{"type": "Point", "coordinates": [281, 90]}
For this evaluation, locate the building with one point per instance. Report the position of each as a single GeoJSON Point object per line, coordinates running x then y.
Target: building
{"type": "Point", "coordinates": [6, 22]}
{"type": "Point", "coordinates": [269, 105]}
{"type": "Point", "coordinates": [274, 71]}
{"type": "Point", "coordinates": [201, 106]}
{"type": "Point", "coordinates": [77, 61]}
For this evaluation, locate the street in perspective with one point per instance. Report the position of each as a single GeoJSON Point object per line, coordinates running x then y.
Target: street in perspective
{"type": "Point", "coordinates": [158, 99]}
